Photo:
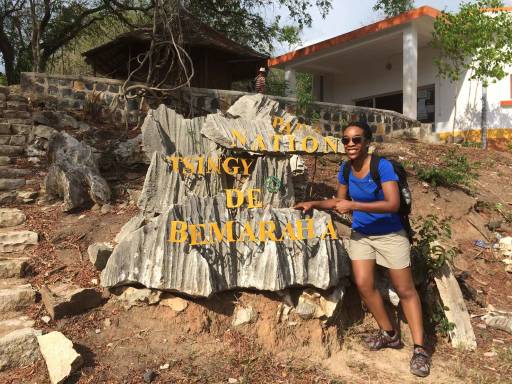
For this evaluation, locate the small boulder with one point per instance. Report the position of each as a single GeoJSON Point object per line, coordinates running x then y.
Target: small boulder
{"type": "Point", "coordinates": [43, 131]}
{"type": "Point", "coordinates": [106, 208]}
{"type": "Point", "coordinates": [18, 348]}
{"type": "Point", "coordinates": [11, 217]}
{"type": "Point", "coordinates": [244, 315]}
{"type": "Point", "coordinates": [137, 297]}
{"type": "Point", "coordinates": [63, 300]}
{"type": "Point", "coordinates": [99, 254]}
{"type": "Point", "coordinates": [60, 356]}
{"type": "Point", "coordinates": [7, 197]}
{"type": "Point", "coordinates": [177, 304]}
{"type": "Point", "coordinates": [313, 305]}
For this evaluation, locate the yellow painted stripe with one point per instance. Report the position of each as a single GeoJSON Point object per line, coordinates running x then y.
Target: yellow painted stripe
{"type": "Point", "coordinates": [475, 134]}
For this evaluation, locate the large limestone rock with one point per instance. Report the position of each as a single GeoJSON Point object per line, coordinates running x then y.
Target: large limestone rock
{"type": "Point", "coordinates": [147, 257]}
{"type": "Point", "coordinates": [11, 217]}
{"type": "Point", "coordinates": [16, 241]}
{"type": "Point", "coordinates": [62, 300]}
{"type": "Point", "coordinates": [73, 174]}
{"type": "Point", "coordinates": [60, 356]}
{"type": "Point", "coordinates": [130, 152]}
{"type": "Point", "coordinates": [18, 348]}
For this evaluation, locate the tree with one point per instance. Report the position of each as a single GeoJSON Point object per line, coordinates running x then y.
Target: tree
{"type": "Point", "coordinates": [244, 20]}
{"type": "Point", "coordinates": [393, 7]}
{"type": "Point", "coordinates": [48, 25]}
{"type": "Point", "coordinates": [476, 39]}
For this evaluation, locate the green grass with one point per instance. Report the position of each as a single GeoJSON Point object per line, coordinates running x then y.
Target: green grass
{"type": "Point", "coordinates": [454, 170]}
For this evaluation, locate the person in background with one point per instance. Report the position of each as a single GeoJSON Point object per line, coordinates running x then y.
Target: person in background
{"type": "Point", "coordinates": [260, 81]}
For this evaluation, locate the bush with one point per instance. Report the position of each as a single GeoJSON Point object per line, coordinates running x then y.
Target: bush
{"type": "Point", "coordinates": [3, 79]}
{"type": "Point", "coordinates": [454, 170]}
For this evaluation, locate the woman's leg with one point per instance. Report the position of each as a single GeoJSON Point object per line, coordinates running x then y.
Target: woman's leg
{"type": "Point", "coordinates": [365, 281]}
{"type": "Point", "coordinates": [411, 305]}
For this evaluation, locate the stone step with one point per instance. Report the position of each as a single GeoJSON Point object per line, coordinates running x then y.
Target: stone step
{"type": "Point", "coordinates": [14, 322]}
{"type": "Point", "coordinates": [21, 129]}
{"type": "Point", "coordinates": [15, 295]}
{"type": "Point", "coordinates": [16, 241]}
{"type": "Point", "coordinates": [16, 105]}
{"type": "Point", "coordinates": [9, 150]}
{"type": "Point", "coordinates": [8, 172]}
{"type": "Point", "coordinates": [18, 98]}
{"type": "Point", "coordinates": [4, 160]}
{"type": "Point", "coordinates": [13, 139]}
{"type": "Point", "coordinates": [14, 114]}
{"type": "Point", "coordinates": [14, 267]}
{"type": "Point", "coordinates": [19, 348]}
{"type": "Point", "coordinates": [11, 184]}
{"type": "Point", "coordinates": [5, 128]}
{"type": "Point", "coordinates": [11, 217]}
{"type": "Point", "coordinates": [4, 90]}
{"type": "Point", "coordinates": [15, 121]}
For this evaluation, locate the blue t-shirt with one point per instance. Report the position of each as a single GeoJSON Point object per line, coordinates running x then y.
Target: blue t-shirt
{"type": "Point", "coordinates": [363, 190]}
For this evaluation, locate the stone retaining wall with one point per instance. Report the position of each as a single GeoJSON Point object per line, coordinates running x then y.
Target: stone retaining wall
{"type": "Point", "coordinates": [100, 97]}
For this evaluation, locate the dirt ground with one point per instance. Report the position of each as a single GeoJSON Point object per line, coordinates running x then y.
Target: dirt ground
{"type": "Point", "coordinates": [199, 345]}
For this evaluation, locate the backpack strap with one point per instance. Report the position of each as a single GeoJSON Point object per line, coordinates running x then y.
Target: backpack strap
{"type": "Point", "coordinates": [346, 171]}
{"type": "Point", "coordinates": [374, 172]}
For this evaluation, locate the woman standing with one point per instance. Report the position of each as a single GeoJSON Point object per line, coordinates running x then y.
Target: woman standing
{"type": "Point", "coordinates": [378, 237]}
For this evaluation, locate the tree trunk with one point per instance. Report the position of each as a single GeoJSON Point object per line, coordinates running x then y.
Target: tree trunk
{"type": "Point", "coordinates": [8, 57]}
{"type": "Point", "coordinates": [484, 117]}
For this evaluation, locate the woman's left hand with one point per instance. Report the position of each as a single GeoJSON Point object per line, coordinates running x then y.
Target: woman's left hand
{"type": "Point", "coordinates": [344, 206]}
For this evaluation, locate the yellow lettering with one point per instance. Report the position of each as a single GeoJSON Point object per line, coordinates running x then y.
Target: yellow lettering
{"type": "Point", "coordinates": [175, 160]}
{"type": "Point", "coordinates": [259, 144]}
{"type": "Point", "coordinates": [229, 198]}
{"type": "Point", "coordinates": [174, 232]}
{"type": "Point", "coordinates": [189, 167]}
{"type": "Point", "coordinates": [216, 232]}
{"type": "Point", "coordinates": [229, 231]}
{"type": "Point", "coordinates": [331, 232]}
{"type": "Point", "coordinates": [200, 165]}
{"type": "Point", "coordinates": [331, 144]}
{"type": "Point", "coordinates": [305, 144]}
{"type": "Point", "coordinates": [239, 138]}
{"type": "Point", "coordinates": [268, 233]}
{"type": "Point", "coordinates": [230, 171]}
{"type": "Point", "coordinates": [291, 143]}
{"type": "Point", "coordinates": [253, 200]}
{"type": "Point", "coordinates": [213, 165]}
{"type": "Point", "coordinates": [290, 230]}
{"type": "Point", "coordinates": [195, 234]}
{"type": "Point", "coordinates": [247, 231]}
{"type": "Point", "coordinates": [246, 164]}
{"type": "Point", "coordinates": [277, 142]}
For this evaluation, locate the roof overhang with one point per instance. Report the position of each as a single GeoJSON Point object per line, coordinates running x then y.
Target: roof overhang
{"type": "Point", "coordinates": [385, 34]}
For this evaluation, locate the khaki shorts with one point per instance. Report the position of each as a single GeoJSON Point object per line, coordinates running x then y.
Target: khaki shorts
{"type": "Point", "coordinates": [392, 250]}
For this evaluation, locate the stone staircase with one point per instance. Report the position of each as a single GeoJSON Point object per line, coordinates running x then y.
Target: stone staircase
{"type": "Point", "coordinates": [18, 342]}
{"type": "Point", "coordinates": [15, 131]}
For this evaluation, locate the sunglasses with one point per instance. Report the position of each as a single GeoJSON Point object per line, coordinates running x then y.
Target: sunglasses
{"type": "Point", "coordinates": [355, 139]}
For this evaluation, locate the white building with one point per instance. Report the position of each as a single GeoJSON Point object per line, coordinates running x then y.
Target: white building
{"type": "Point", "coordinates": [390, 65]}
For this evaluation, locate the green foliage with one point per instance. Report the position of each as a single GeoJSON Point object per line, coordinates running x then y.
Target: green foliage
{"type": "Point", "coordinates": [393, 7]}
{"type": "Point", "coordinates": [275, 83]}
{"type": "Point", "coordinates": [475, 41]}
{"type": "Point", "coordinates": [427, 253]}
{"type": "Point", "coordinates": [454, 170]}
{"type": "Point", "coordinates": [509, 146]}
{"type": "Point", "coordinates": [3, 79]}
{"type": "Point", "coordinates": [471, 144]}
{"type": "Point", "coordinates": [304, 92]}
{"type": "Point", "coordinates": [245, 22]}
{"type": "Point", "coordinates": [440, 322]}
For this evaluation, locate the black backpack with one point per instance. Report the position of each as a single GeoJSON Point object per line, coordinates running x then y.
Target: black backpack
{"type": "Point", "coordinates": [405, 193]}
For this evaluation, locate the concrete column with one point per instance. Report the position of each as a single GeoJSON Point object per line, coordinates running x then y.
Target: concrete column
{"type": "Point", "coordinates": [410, 72]}
{"type": "Point", "coordinates": [291, 82]}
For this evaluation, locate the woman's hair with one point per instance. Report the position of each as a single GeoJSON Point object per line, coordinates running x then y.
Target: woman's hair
{"type": "Point", "coordinates": [360, 124]}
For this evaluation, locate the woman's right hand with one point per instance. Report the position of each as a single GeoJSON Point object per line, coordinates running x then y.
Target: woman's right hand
{"type": "Point", "coordinates": [305, 206]}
